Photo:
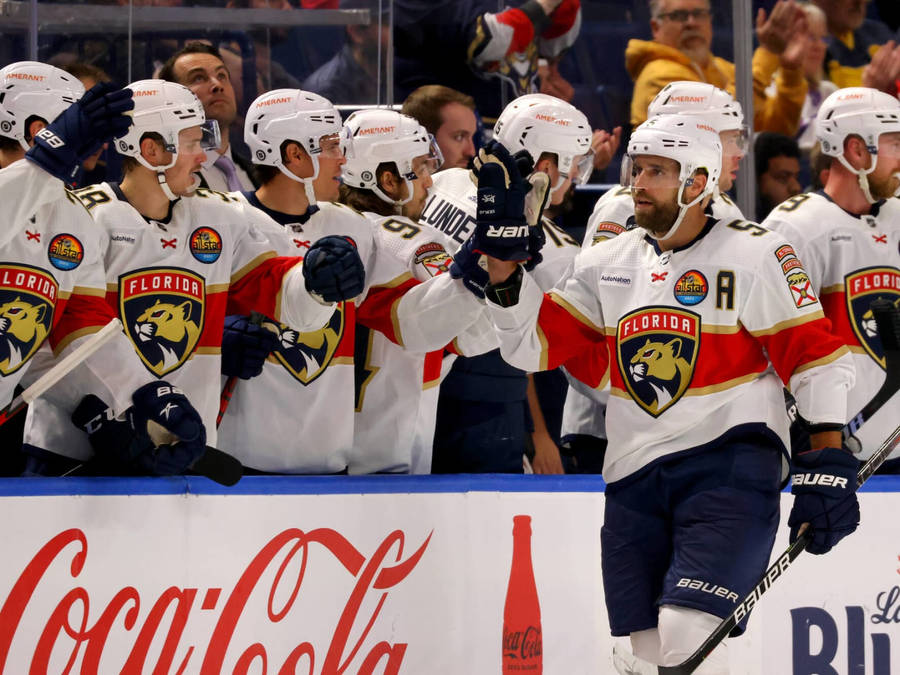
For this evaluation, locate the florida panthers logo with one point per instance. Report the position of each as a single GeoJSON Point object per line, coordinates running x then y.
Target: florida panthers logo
{"type": "Point", "coordinates": [163, 313]}
{"type": "Point", "coordinates": [862, 288]}
{"type": "Point", "coordinates": [657, 352]}
{"type": "Point", "coordinates": [306, 355]}
{"type": "Point", "coordinates": [27, 300]}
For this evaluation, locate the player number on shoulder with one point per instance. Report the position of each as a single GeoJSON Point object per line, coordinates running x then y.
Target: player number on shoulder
{"type": "Point", "coordinates": [792, 203]}
{"type": "Point", "coordinates": [91, 196]}
{"type": "Point", "coordinates": [404, 228]}
{"type": "Point", "coordinates": [558, 235]}
{"type": "Point", "coordinates": [746, 226]}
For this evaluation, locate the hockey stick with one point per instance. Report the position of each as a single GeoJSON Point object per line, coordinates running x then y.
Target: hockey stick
{"type": "Point", "coordinates": [256, 319]}
{"type": "Point", "coordinates": [888, 321]}
{"type": "Point", "coordinates": [215, 464]}
{"type": "Point", "coordinates": [61, 369]}
{"type": "Point", "coordinates": [779, 567]}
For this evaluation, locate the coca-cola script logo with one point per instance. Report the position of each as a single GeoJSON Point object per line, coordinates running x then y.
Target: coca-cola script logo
{"type": "Point", "coordinates": [72, 623]}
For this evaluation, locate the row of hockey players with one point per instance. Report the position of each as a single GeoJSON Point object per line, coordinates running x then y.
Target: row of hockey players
{"type": "Point", "coordinates": [691, 316]}
{"type": "Point", "coordinates": [326, 312]}
{"type": "Point", "coordinates": [681, 322]}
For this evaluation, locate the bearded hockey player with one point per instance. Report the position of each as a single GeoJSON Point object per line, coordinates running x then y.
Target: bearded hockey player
{"type": "Point", "coordinates": [697, 434]}
{"type": "Point", "coordinates": [485, 404]}
{"type": "Point", "coordinates": [52, 277]}
{"type": "Point", "coordinates": [177, 257]}
{"type": "Point", "coordinates": [294, 137]}
{"type": "Point", "coordinates": [848, 234]}
{"type": "Point", "coordinates": [584, 415]}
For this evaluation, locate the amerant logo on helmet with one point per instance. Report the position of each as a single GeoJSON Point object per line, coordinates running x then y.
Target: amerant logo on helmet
{"type": "Point", "coordinates": [273, 101]}
{"type": "Point", "coordinates": [688, 99]}
{"type": "Point", "coordinates": [145, 92]}
{"type": "Point", "coordinates": [368, 131]}
{"type": "Point", "coordinates": [553, 120]}
{"type": "Point", "coordinates": [26, 76]}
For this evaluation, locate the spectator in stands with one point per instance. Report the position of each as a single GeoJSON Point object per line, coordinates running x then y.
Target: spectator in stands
{"type": "Point", "coordinates": [818, 88]}
{"type": "Point", "coordinates": [860, 50]}
{"type": "Point", "coordinates": [355, 75]}
{"type": "Point", "coordinates": [777, 171]}
{"type": "Point", "coordinates": [93, 170]}
{"type": "Point", "coordinates": [448, 115]}
{"type": "Point", "coordinates": [199, 67]}
{"type": "Point", "coordinates": [680, 50]}
{"type": "Point", "coordinates": [482, 50]}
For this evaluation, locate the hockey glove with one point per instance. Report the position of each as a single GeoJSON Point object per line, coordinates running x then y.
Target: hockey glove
{"type": "Point", "coordinates": [81, 129]}
{"type": "Point", "coordinates": [333, 270]}
{"type": "Point", "coordinates": [509, 205]}
{"type": "Point", "coordinates": [824, 486]}
{"type": "Point", "coordinates": [162, 404]}
{"type": "Point", "coordinates": [245, 346]}
{"type": "Point", "coordinates": [466, 266]}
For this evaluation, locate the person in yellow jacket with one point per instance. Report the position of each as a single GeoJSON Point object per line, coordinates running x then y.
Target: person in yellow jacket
{"type": "Point", "coordinates": [680, 50]}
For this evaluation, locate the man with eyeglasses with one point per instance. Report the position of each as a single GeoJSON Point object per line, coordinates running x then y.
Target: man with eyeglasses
{"type": "Point", "coordinates": [680, 50]}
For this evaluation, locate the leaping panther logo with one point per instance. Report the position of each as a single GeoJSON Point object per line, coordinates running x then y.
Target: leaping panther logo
{"type": "Point", "coordinates": [163, 313]}
{"type": "Point", "coordinates": [661, 366]}
{"type": "Point", "coordinates": [657, 351]}
{"type": "Point", "coordinates": [306, 355]}
{"type": "Point", "coordinates": [862, 288]}
{"type": "Point", "coordinates": [23, 328]}
{"type": "Point", "coordinates": [168, 330]}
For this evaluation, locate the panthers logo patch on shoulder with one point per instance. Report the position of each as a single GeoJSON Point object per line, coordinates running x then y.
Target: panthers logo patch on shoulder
{"type": "Point", "coordinates": [163, 311]}
{"type": "Point", "coordinates": [206, 245]}
{"type": "Point", "coordinates": [657, 350]}
{"type": "Point", "coordinates": [306, 355]}
{"type": "Point", "coordinates": [27, 301]}
{"type": "Point", "coordinates": [65, 252]}
{"type": "Point", "coordinates": [433, 258]}
{"type": "Point", "coordinates": [606, 230]}
{"type": "Point", "coordinates": [862, 288]}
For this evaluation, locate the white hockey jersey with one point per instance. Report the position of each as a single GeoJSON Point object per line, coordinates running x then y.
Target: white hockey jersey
{"type": "Point", "coordinates": [171, 282]}
{"type": "Point", "coordinates": [451, 209]}
{"type": "Point", "coordinates": [298, 415]}
{"type": "Point", "coordinates": [851, 260]}
{"type": "Point", "coordinates": [685, 335]}
{"type": "Point", "coordinates": [585, 409]}
{"type": "Point", "coordinates": [52, 284]}
{"type": "Point", "coordinates": [394, 383]}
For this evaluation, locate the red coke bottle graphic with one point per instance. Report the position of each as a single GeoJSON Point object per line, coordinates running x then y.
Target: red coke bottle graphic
{"type": "Point", "coordinates": [522, 649]}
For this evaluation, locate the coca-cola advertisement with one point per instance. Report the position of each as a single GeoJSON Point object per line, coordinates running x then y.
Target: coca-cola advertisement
{"type": "Point", "coordinates": [413, 583]}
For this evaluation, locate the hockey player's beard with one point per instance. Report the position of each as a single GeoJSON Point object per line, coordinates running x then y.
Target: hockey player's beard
{"type": "Point", "coordinates": [657, 219]}
{"type": "Point", "coordinates": [884, 189]}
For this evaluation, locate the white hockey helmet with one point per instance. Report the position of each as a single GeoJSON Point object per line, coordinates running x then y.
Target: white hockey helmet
{"type": "Point", "coordinates": [540, 123]}
{"type": "Point", "coordinates": [165, 108]}
{"type": "Point", "coordinates": [691, 142]}
{"type": "Point", "coordinates": [715, 106]}
{"type": "Point", "coordinates": [856, 111]}
{"type": "Point", "coordinates": [372, 137]}
{"type": "Point", "coordinates": [290, 115]}
{"type": "Point", "coordinates": [29, 88]}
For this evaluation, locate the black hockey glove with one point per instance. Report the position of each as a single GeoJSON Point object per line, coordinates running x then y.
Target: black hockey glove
{"type": "Point", "coordinates": [122, 446]}
{"type": "Point", "coordinates": [333, 270]}
{"type": "Point", "coordinates": [162, 404]}
{"type": "Point", "coordinates": [245, 346]}
{"type": "Point", "coordinates": [466, 267]}
{"type": "Point", "coordinates": [509, 206]}
{"type": "Point", "coordinates": [81, 129]}
{"type": "Point", "coordinates": [824, 486]}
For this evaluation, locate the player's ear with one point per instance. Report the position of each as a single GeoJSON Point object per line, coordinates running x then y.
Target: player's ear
{"type": "Point", "coordinates": [152, 150]}
{"type": "Point", "coordinates": [697, 186]}
{"type": "Point", "coordinates": [391, 184]}
{"type": "Point", "coordinates": [33, 128]}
